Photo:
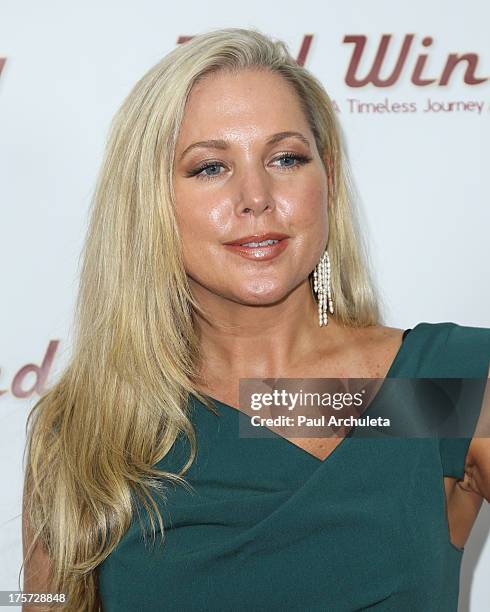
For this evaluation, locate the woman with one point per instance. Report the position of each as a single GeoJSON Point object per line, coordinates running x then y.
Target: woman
{"type": "Point", "coordinates": [228, 141]}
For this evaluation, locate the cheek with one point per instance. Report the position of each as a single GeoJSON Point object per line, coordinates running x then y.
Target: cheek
{"type": "Point", "coordinates": [202, 224]}
{"type": "Point", "coordinates": [309, 209]}
{"type": "Point", "coordinates": [191, 212]}
{"type": "Point", "coordinates": [309, 222]}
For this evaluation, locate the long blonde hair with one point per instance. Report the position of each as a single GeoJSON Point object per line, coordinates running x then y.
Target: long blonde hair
{"type": "Point", "coordinates": [95, 436]}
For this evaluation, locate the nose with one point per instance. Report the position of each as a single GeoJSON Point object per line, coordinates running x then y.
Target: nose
{"type": "Point", "coordinates": [255, 194]}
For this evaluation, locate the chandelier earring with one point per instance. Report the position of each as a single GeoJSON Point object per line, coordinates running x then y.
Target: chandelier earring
{"type": "Point", "coordinates": [321, 285]}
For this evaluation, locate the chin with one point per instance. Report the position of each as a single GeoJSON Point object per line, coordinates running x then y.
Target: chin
{"type": "Point", "coordinates": [261, 295]}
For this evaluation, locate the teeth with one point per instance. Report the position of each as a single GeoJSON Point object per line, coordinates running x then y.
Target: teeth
{"type": "Point", "coordinates": [259, 244]}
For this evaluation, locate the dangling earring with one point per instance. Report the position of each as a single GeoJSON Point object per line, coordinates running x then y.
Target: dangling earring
{"type": "Point", "coordinates": [321, 285]}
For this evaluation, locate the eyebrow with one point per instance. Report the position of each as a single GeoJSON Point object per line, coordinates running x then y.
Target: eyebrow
{"type": "Point", "coordinates": [223, 145]}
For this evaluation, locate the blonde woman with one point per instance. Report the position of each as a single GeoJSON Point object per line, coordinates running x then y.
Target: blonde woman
{"type": "Point", "coordinates": [139, 492]}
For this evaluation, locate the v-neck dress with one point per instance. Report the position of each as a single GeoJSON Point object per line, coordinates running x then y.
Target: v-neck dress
{"type": "Point", "coordinates": [268, 526]}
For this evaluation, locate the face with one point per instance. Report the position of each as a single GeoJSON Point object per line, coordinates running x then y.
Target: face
{"type": "Point", "coordinates": [250, 183]}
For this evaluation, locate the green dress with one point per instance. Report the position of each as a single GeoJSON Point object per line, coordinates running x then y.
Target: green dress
{"type": "Point", "coordinates": [269, 527]}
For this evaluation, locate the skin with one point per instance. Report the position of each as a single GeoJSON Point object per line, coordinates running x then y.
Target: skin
{"type": "Point", "coordinates": [261, 319]}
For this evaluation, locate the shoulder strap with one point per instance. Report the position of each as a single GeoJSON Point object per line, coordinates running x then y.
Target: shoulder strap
{"type": "Point", "coordinates": [449, 350]}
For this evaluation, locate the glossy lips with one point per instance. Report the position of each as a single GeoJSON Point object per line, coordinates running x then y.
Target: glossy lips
{"type": "Point", "coordinates": [259, 253]}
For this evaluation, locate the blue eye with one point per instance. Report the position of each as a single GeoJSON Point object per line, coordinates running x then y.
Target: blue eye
{"type": "Point", "coordinates": [302, 159]}
{"type": "Point", "coordinates": [207, 167]}
{"type": "Point", "coordinates": [200, 172]}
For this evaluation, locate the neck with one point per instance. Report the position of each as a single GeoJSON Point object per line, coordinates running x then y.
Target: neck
{"type": "Point", "coordinates": [248, 341]}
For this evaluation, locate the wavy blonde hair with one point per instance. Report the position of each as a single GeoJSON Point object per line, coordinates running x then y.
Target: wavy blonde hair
{"type": "Point", "coordinates": [94, 437]}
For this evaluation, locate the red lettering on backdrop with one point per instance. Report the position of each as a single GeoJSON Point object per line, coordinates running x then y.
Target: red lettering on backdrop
{"type": "Point", "coordinates": [305, 47]}
{"type": "Point", "coordinates": [373, 77]}
{"type": "Point", "coordinates": [2, 63]}
{"type": "Point", "coordinates": [420, 65]}
{"type": "Point", "coordinates": [41, 373]}
{"type": "Point", "coordinates": [469, 75]}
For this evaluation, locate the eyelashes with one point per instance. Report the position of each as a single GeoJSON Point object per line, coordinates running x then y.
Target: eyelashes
{"type": "Point", "coordinates": [199, 171]}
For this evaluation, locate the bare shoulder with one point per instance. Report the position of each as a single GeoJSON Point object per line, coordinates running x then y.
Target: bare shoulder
{"type": "Point", "coordinates": [383, 334]}
{"type": "Point", "coordinates": [378, 347]}
{"type": "Point", "coordinates": [366, 351]}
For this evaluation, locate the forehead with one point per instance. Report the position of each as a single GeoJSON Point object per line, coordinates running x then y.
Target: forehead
{"type": "Point", "coordinates": [257, 101]}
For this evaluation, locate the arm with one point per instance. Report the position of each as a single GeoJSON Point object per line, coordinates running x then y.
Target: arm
{"type": "Point", "coordinates": [477, 463]}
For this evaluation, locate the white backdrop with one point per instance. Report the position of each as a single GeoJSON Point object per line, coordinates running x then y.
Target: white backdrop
{"type": "Point", "coordinates": [424, 201]}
